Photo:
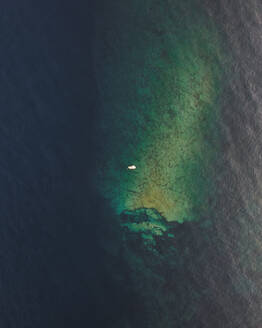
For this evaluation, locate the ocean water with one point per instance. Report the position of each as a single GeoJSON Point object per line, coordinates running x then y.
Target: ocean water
{"type": "Point", "coordinates": [178, 88]}
{"type": "Point", "coordinates": [90, 88]}
{"type": "Point", "coordinates": [47, 267]}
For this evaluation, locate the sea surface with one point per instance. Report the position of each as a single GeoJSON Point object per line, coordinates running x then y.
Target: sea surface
{"type": "Point", "coordinates": [90, 88]}
{"type": "Point", "coordinates": [179, 93]}
{"type": "Point", "coordinates": [47, 254]}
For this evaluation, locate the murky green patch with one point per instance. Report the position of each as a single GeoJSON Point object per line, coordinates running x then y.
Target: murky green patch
{"type": "Point", "coordinates": [159, 81]}
{"type": "Point", "coordinates": [145, 221]}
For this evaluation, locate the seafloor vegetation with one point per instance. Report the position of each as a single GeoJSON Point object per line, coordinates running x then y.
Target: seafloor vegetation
{"type": "Point", "coordinates": [158, 69]}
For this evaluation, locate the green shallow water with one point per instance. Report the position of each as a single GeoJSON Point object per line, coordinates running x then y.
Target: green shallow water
{"type": "Point", "coordinates": [159, 74]}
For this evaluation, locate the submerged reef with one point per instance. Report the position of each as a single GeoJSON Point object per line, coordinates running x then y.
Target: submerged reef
{"type": "Point", "coordinates": [145, 221]}
{"type": "Point", "coordinates": [159, 79]}
{"type": "Point", "coordinates": [152, 266]}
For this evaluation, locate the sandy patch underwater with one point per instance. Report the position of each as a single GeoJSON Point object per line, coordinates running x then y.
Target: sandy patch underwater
{"type": "Point", "coordinates": [159, 80]}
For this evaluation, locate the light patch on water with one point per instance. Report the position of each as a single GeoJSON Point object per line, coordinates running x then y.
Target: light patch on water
{"type": "Point", "coordinates": [131, 167]}
{"type": "Point", "coordinates": [160, 110]}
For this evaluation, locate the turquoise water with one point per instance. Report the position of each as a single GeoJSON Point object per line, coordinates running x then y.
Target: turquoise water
{"type": "Point", "coordinates": [160, 107]}
{"type": "Point", "coordinates": [178, 98]}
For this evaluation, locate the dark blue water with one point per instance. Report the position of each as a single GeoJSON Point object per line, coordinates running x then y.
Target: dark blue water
{"type": "Point", "coordinates": [47, 262]}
